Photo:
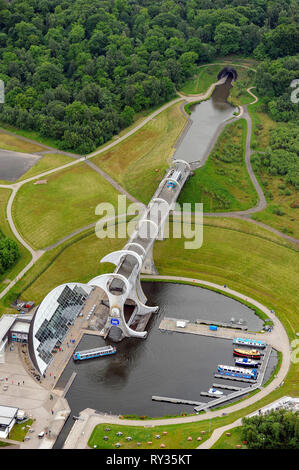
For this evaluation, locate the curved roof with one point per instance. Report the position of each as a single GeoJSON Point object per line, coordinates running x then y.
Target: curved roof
{"type": "Point", "coordinates": [51, 321]}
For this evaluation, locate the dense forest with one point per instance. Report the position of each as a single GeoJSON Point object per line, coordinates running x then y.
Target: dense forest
{"type": "Point", "coordinates": [9, 253]}
{"type": "Point", "coordinates": [78, 70]}
{"type": "Point", "coordinates": [281, 156]}
{"type": "Point", "coordinates": [276, 430]}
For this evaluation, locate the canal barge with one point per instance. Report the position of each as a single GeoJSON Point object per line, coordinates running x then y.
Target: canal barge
{"type": "Point", "coordinates": [250, 342]}
{"type": "Point", "coordinates": [239, 372]}
{"type": "Point", "coordinates": [249, 353]}
{"type": "Point", "coordinates": [94, 353]}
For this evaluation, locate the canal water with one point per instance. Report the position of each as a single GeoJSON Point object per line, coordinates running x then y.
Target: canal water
{"type": "Point", "coordinates": [169, 364]}
{"type": "Point", "coordinates": [206, 118]}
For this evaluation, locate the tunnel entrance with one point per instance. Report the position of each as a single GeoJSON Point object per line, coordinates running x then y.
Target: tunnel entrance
{"type": "Point", "coordinates": [228, 71]}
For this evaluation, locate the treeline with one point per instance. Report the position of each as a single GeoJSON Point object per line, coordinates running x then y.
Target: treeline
{"type": "Point", "coordinates": [273, 84]}
{"type": "Point", "coordinates": [78, 70]}
{"type": "Point", "coordinates": [9, 253]}
{"type": "Point", "coordinates": [282, 155]}
{"type": "Point", "coordinates": [276, 430]}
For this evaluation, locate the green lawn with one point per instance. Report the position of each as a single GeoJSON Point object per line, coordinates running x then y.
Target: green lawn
{"type": "Point", "coordinates": [176, 437]}
{"type": "Point", "coordinates": [45, 213]}
{"type": "Point", "coordinates": [139, 162]}
{"type": "Point", "coordinates": [5, 228]}
{"type": "Point", "coordinates": [230, 442]}
{"type": "Point", "coordinates": [202, 80]}
{"type": "Point", "coordinates": [20, 430]}
{"type": "Point", "coordinates": [282, 198]}
{"type": "Point", "coordinates": [49, 161]}
{"type": "Point", "coordinates": [251, 264]}
{"type": "Point", "coordinates": [70, 262]}
{"type": "Point", "coordinates": [223, 183]}
{"type": "Point", "coordinates": [9, 142]}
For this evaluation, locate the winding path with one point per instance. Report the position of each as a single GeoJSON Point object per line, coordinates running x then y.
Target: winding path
{"type": "Point", "coordinates": [36, 254]}
{"type": "Point", "coordinates": [82, 429]}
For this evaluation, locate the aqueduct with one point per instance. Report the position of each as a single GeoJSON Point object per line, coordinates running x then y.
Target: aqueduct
{"type": "Point", "coordinates": [123, 285]}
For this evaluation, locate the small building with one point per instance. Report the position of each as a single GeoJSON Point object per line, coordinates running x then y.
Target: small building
{"type": "Point", "coordinates": [8, 416]}
{"type": "Point", "coordinates": [13, 328]}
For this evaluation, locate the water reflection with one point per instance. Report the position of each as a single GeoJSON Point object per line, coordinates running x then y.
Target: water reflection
{"type": "Point", "coordinates": [206, 117]}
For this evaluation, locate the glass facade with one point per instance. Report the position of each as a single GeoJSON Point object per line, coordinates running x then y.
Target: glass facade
{"type": "Point", "coordinates": [52, 320]}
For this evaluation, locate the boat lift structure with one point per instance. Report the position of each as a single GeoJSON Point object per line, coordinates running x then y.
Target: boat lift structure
{"type": "Point", "coordinates": [123, 285]}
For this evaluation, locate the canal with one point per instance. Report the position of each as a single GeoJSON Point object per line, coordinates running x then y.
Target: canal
{"type": "Point", "coordinates": [206, 118]}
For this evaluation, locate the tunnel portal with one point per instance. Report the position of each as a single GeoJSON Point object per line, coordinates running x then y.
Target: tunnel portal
{"type": "Point", "coordinates": [230, 71]}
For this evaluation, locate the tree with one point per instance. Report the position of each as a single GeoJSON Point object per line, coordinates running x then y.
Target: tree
{"type": "Point", "coordinates": [227, 38]}
{"type": "Point", "coordinates": [276, 430]}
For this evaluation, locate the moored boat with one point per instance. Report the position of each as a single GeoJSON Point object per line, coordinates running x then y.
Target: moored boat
{"type": "Point", "coordinates": [249, 353]}
{"type": "Point", "coordinates": [94, 353]}
{"type": "Point", "coordinates": [250, 342]}
{"type": "Point", "coordinates": [245, 361]}
{"type": "Point", "coordinates": [237, 372]}
{"type": "Point", "coordinates": [214, 391]}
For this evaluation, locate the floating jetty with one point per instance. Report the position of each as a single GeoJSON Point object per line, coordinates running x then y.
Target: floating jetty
{"type": "Point", "coordinates": [227, 387]}
{"type": "Point", "coordinates": [230, 324]}
{"type": "Point", "coordinates": [238, 379]}
{"type": "Point", "coordinates": [177, 400]}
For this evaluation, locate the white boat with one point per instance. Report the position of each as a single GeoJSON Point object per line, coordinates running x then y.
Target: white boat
{"type": "Point", "coordinates": [245, 361]}
{"type": "Point", "coordinates": [214, 391]}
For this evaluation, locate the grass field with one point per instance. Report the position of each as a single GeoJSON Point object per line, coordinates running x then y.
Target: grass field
{"type": "Point", "coordinates": [253, 265]}
{"type": "Point", "coordinates": [44, 214]}
{"type": "Point", "coordinates": [282, 210]}
{"type": "Point", "coordinates": [223, 183]}
{"type": "Point", "coordinates": [202, 80]}
{"type": "Point", "coordinates": [176, 437]}
{"type": "Point", "coordinates": [139, 162]}
{"type": "Point", "coordinates": [47, 162]}
{"type": "Point", "coordinates": [4, 226]}
{"type": "Point", "coordinates": [9, 142]}
{"type": "Point", "coordinates": [230, 442]}
{"type": "Point", "coordinates": [238, 94]}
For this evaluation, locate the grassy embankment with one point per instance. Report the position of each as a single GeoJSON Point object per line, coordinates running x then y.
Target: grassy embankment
{"type": "Point", "coordinates": [282, 198]}
{"type": "Point", "coordinates": [5, 228]}
{"type": "Point", "coordinates": [45, 163]}
{"type": "Point", "coordinates": [139, 162]}
{"type": "Point", "coordinates": [200, 83]}
{"type": "Point", "coordinates": [231, 441]}
{"type": "Point", "coordinates": [223, 183]}
{"type": "Point", "coordinates": [43, 214]}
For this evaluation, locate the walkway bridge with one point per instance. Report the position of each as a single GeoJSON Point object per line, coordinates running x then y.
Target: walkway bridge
{"type": "Point", "coordinates": [123, 286]}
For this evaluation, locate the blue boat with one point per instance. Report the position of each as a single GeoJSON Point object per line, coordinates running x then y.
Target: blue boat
{"type": "Point", "coordinates": [94, 353]}
{"type": "Point", "coordinates": [250, 342]}
{"type": "Point", "coordinates": [238, 372]}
